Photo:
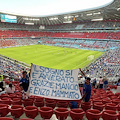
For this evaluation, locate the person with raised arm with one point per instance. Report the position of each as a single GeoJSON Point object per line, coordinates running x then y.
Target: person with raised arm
{"type": "Point", "coordinates": [86, 88]}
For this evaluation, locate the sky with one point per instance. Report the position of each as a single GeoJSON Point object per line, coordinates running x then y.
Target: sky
{"type": "Point", "coordinates": [40, 8]}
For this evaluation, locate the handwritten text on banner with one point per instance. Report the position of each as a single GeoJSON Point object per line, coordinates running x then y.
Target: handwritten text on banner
{"type": "Point", "coordinates": [53, 83]}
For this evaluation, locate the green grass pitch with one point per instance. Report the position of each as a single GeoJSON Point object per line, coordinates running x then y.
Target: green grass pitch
{"type": "Point", "coordinates": [51, 56]}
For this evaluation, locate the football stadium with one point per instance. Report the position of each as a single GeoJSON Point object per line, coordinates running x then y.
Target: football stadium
{"type": "Point", "coordinates": [60, 60]}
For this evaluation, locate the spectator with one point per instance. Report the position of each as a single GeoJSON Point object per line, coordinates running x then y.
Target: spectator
{"type": "Point", "coordinates": [118, 83]}
{"type": "Point", "coordinates": [105, 83]}
{"type": "Point", "coordinates": [10, 89]}
{"type": "Point", "coordinates": [86, 88]}
{"type": "Point", "coordinates": [101, 82]}
{"type": "Point", "coordinates": [1, 77]}
{"type": "Point", "coordinates": [2, 86]}
{"type": "Point", "coordinates": [24, 94]}
{"type": "Point", "coordinates": [25, 80]}
{"type": "Point", "coordinates": [97, 84]}
{"type": "Point", "coordinates": [94, 82]}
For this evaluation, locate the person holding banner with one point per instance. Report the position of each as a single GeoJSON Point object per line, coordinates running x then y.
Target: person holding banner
{"type": "Point", "coordinates": [25, 80]}
{"type": "Point", "coordinates": [86, 88]}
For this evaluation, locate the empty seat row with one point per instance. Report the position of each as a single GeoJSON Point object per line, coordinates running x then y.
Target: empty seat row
{"type": "Point", "coordinates": [61, 113]}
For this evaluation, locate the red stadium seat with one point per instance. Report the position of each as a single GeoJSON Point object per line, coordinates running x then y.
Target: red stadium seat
{"type": "Point", "coordinates": [93, 114]}
{"type": "Point", "coordinates": [118, 107]}
{"type": "Point", "coordinates": [113, 97]}
{"type": "Point", "coordinates": [16, 111]}
{"type": "Point", "coordinates": [110, 94]}
{"type": "Point", "coordinates": [96, 97]}
{"type": "Point", "coordinates": [109, 115]}
{"type": "Point", "coordinates": [38, 98]}
{"type": "Point", "coordinates": [77, 114]}
{"type": "Point", "coordinates": [106, 100]}
{"type": "Point", "coordinates": [31, 111]}
{"type": "Point", "coordinates": [12, 96]}
{"type": "Point", "coordinates": [99, 106]}
{"type": "Point", "coordinates": [4, 110]}
{"type": "Point", "coordinates": [39, 102]}
{"type": "Point", "coordinates": [61, 113]}
{"type": "Point", "coordinates": [104, 96]}
{"type": "Point", "coordinates": [97, 100]}
{"type": "Point", "coordinates": [49, 100]}
{"type": "Point", "coordinates": [51, 104]}
{"type": "Point", "coordinates": [108, 88]}
{"type": "Point", "coordinates": [27, 102]}
{"type": "Point", "coordinates": [110, 106]}
{"type": "Point", "coordinates": [32, 97]}
{"type": "Point", "coordinates": [86, 105]}
{"type": "Point", "coordinates": [94, 90]}
{"type": "Point", "coordinates": [63, 104]}
{"type": "Point", "coordinates": [114, 86]}
{"type": "Point", "coordinates": [46, 112]}
{"type": "Point", "coordinates": [16, 101]}
{"type": "Point", "coordinates": [118, 115]}
{"type": "Point", "coordinates": [19, 96]}
{"type": "Point", "coordinates": [6, 100]}
{"type": "Point", "coordinates": [117, 94]}
{"type": "Point", "coordinates": [4, 95]}
{"type": "Point", "coordinates": [116, 101]}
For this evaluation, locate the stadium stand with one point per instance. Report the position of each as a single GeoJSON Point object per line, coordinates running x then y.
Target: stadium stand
{"type": "Point", "coordinates": [11, 68]}
{"type": "Point", "coordinates": [99, 102]}
{"type": "Point", "coordinates": [87, 25]}
{"type": "Point", "coordinates": [97, 36]}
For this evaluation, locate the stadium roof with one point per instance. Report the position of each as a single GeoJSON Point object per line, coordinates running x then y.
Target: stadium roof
{"type": "Point", "coordinates": [109, 11]}
{"type": "Point", "coordinates": [43, 8]}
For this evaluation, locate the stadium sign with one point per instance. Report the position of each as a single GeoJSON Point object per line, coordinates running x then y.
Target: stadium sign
{"type": "Point", "coordinates": [54, 83]}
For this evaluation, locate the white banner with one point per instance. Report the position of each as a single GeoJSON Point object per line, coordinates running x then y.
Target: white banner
{"type": "Point", "coordinates": [53, 83]}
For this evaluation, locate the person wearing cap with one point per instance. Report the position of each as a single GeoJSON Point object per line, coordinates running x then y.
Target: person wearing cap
{"type": "Point", "coordinates": [25, 81]}
{"type": "Point", "coordinates": [86, 88]}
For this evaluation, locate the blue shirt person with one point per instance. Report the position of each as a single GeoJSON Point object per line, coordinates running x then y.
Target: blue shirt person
{"type": "Point", "coordinates": [86, 88]}
{"type": "Point", "coordinates": [94, 82]}
{"type": "Point", "coordinates": [25, 81]}
{"type": "Point", "coordinates": [118, 83]}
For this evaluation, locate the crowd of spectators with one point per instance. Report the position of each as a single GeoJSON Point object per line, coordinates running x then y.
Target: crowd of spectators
{"type": "Point", "coordinates": [77, 25]}
{"type": "Point", "coordinates": [80, 43]}
{"type": "Point", "coordinates": [87, 25]}
{"type": "Point", "coordinates": [22, 33]}
{"type": "Point", "coordinates": [14, 26]}
{"type": "Point", "coordinates": [108, 65]}
{"type": "Point", "coordinates": [17, 42]}
{"type": "Point", "coordinates": [11, 86]}
{"type": "Point", "coordinates": [11, 68]}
